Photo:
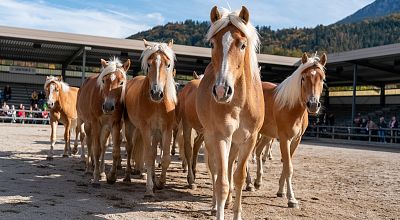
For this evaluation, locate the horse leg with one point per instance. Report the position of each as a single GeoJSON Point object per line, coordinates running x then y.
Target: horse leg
{"type": "Point", "coordinates": [249, 181]}
{"type": "Point", "coordinates": [218, 152]}
{"type": "Point", "coordinates": [166, 157]}
{"type": "Point", "coordinates": [96, 151]}
{"type": "Point", "coordinates": [82, 135]}
{"type": "Point", "coordinates": [53, 137]}
{"type": "Point", "coordinates": [233, 153]}
{"type": "Point", "coordinates": [138, 155]}
{"type": "Point", "coordinates": [75, 127]}
{"type": "Point", "coordinates": [188, 148]}
{"type": "Point", "coordinates": [261, 143]}
{"type": "Point", "coordinates": [213, 173]}
{"type": "Point", "coordinates": [67, 133]}
{"type": "Point", "coordinates": [245, 150]}
{"type": "Point", "coordinates": [197, 144]}
{"type": "Point", "coordinates": [174, 133]}
{"type": "Point", "coordinates": [287, 172]}
{"type": "Point", "coordinates": [104, 135]}
{"type": "Point", "coordinates": [90, 157]}
{"type": "Point", "coordinates": [149, 153]}
{"type": "Point", "coordinates": [116, 153]}
{"type": "Point", "coordinates": [129, 129]}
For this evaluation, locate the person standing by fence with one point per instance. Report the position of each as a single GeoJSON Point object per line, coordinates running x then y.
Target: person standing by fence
{"type": "Point", "coordinates": [381, 132]}
{"type": "Point", "coordinates": [393, 124]}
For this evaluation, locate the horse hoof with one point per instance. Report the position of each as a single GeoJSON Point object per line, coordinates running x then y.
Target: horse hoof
{"type": "Point", "coordinates": [136, 172]}
{"type": "Point", "coordinates": [65, 155]}
{"type": "Point", "coordinates": [111, 180]}
{"type": "Point", "coordinates": [127, 179]}
{"type": "Point", "coordinates": [149, 195]}
{"type": "Point", "coordinates": [96, 184]}
{"type": "Point", "coordinates": [250, 188]}
{"type": "Point", "coordinates": [294, 205]}
{"type": "Point", "coordinates": [193, 186]}
{"type": "Point", "coordinates": [270, 158]}
{"type": "Point", "coordinates": [280, 195]}
{"type": "Point", "coordinates": [160, 185]}
{"type": "Point", "coordinates": [173, 152]}
{"type": "Point", "coordinates": [74, 151]}
{"type": "Point", "coordinates": [184, 171]}
{"type": "Point", "coordinates": [159, 165]}
{"type": "Point", "coordinates": [49, 158]}
{"type": "Point", "coordinates": [143, 176]}
{"type": "Point", "coordinates": [257, 185]}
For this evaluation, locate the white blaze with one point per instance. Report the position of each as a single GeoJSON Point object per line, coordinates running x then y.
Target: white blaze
{"type": "Point", "coordinates": [158, 64]}
{"type": "Point", "coordinates": [227, 41]}
{"type": "Point", "coordinates": [113, 77]}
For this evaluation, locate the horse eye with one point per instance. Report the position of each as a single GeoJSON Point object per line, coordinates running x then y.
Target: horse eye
{"type": "Point", "coordinates": [243, 46]}
{"type": "Point", "coordinates": [102, 81]}
{"type": "Point", "coordinates": [121, 83]}
{"type": "Point", "coordinates": [169, 65]}
{"type": "Point", "coordinates": [148, 65]}
{"type": "Point", "coordinates": [211, 45]}
{"type": "Point", "coordinates": [302, 78]}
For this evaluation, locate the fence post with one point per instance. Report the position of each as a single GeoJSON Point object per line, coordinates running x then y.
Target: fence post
{"type": "Point", "coordinates": [333, 132]}
{"type": "Point", "coordinates": [349, 133]}
{"type": "Point", "coordinates": [317, 132]}
{"type": "Point", "coordinates": [391, 135]}
{"type": "Point", "coordinates": [369, 135]}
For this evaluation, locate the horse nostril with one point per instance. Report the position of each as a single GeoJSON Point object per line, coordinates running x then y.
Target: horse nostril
{"type": "Point", "coordinates": [112, 108]}
{"type": "Point", "coordinates": [102, 106]}
{"type": "Point", "coordinates": [308, 104]}
{"type": "Point", "coordinates": [319, 104]}
{"type": "Point", "coordinates": [152, 92]}
{"type": "Point", "coordinates": [161, 94]}
{"type": "Point", "coordinates": [229, 92]}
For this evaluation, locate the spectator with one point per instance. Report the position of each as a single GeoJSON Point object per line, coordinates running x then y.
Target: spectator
{"type": "Point", "coordinates": [30, 115]}
{"type": "Point", "coordinates": [21, 113]}
{"type": "Point", "coordinates": [7, 93]}
{"type": "Point", "coordinates": [45, 115]}
{"type": "Point", "coordinates": [34, 97]}
{"type": "Point", "coordinates": [4, 109]}
{"type": "Point", "coordinates": [364, 128]}
{"type": "Point", "coordinates": [36, 110]}
{"type": "Point", "coordinates": [13, 114]}
{"type": "Point", "coordinates": [381, 132]}
{"type": "Point", "coordinates": [371, 127]}
{"type": "Point", "coordinates": [357, 124]}
{"type": "Point", "coordinates": [42, 98]}
{"type": "Point", "coordinates": [394, 125]}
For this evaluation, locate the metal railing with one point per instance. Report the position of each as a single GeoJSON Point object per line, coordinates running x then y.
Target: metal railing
{"type": "Point", "coordinates": [388, 135]}
{"type": "Point", "coordinates": [11, 116]}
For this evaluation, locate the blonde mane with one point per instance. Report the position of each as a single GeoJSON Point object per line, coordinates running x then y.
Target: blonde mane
{"type": "Point", "coordinates": [170, 90]}
{"type": "Point", "coordinates": [50, 79]}
{"type": "Point", "coordinates": [114, 64]}
{"type": "Point", "coordinates": [228, 17]}
{"type": "Point", "coordinates": [288, 93]}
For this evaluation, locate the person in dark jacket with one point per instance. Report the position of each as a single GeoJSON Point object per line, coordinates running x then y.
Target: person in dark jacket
{"type": "Point", "coordinates": [381, 132]}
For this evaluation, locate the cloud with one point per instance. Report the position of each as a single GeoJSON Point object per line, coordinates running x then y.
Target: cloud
{"type": "Point", "coordinates": [109, 23]}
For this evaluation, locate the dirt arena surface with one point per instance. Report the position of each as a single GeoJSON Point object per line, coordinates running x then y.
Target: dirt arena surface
{"type": "Point", "coordinates": [329, 182]}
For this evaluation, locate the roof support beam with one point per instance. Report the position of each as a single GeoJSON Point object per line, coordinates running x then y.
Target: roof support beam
{"type": "Point", "coordinates": [375, 66]}
{"type": "Point", "coordinates": [73, 57]}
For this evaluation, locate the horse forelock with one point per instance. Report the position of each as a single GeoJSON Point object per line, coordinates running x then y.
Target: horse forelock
{"type": "Point", "coordinates": [170, 88]}
{"type": "Point", "coordinates": [52, 79]}
{"type": "Point", "coordinates": [288, 93]}
{"type": "Point", "coordinates": [114, 65]}
{"type": "Point", "coordinates": [227, 18]}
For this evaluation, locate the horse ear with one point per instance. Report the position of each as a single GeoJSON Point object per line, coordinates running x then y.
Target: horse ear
{"type": "Point", "coordinates": [60, 78]}
{"type": "Point", "coordinates": [323, 59]}
{"type": "Point", "coordinates": [174, 73]}
{"type": "Point", "coordinates": [215, 15]}
{"type": "Point", "coordinates": [244, 15]}
{"type": "Point", "coordinates": [104, 63]}
{"type": "Point", "coordinates": [304, 58]}
{"type": "Point", "coordinates": [146, 44]}
{"type": "Point", "coordinates": [127, 64]}
{"type": "Point", "coordinates": [195, 76]}
{"type": "Point", "coordinates": [170, 43]}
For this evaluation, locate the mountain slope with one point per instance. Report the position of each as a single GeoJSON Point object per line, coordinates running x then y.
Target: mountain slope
{"type": "Point", "coordinates": [376, 9]}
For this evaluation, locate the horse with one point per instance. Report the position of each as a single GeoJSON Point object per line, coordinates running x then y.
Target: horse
{"type": "Point", "coordinates": [187, 116]}
{"type": "Point", "coordinates": [61, 100]}
{"type": "Point", "coordinates": [287, 107]}
{"type": "Point", "coordinates": [230, 104]}
{"type": "Point", "coordinates": [150, 112]}
{"type": "Point", "coordinates": [100, 108]}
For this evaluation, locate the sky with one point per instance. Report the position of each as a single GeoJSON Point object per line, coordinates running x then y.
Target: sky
{"type": "Point", "coordinates": [122, 18]}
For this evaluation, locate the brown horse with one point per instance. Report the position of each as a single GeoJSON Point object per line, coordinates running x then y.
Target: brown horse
{"type": "Point", "coordinates": [188, 117]}
{"type": "Point", "coordinates": [230, 104]}
{"type": "Point", "coordinates": [286, 115]}
{"type": "Point", "coordinates": [100, 108]}
{"type": "Point", "coordinates": [61, 99]}
{"type": "Point", "coordinates": [150, 111]}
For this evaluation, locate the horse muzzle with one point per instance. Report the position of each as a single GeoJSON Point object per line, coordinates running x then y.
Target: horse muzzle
{"type": "Point", "coordinates": [313, 105]}
{"type": "Point", "coordinates": [50, 104]}
{"type": "Point", "coordinates": [222, 93]}
{"type": "Point", "coordinates": [156, 93]}
{"type": "Point", "coordinates": [108, 107]}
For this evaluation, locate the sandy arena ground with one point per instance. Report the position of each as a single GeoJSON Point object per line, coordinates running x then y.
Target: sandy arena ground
{"type": "Point", "coordinates": [329, 182]}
